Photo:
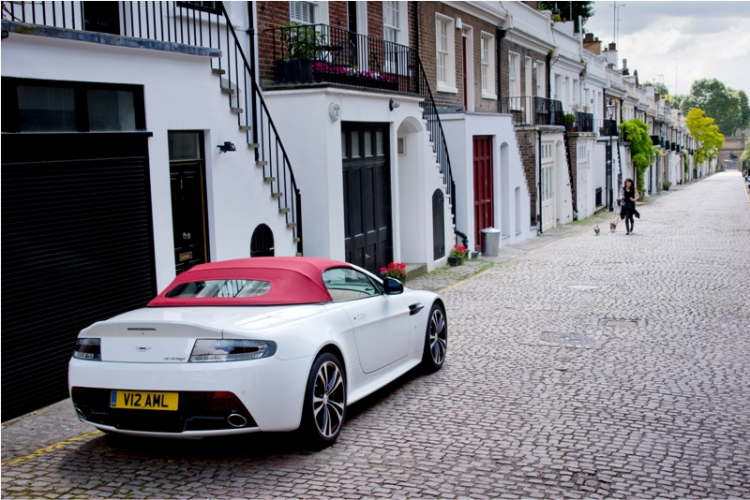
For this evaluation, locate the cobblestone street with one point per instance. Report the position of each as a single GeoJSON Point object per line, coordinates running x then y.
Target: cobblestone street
{"type": "Point", "coordinates": [587, 366]}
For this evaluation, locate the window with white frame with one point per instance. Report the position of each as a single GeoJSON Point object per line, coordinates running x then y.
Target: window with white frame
{"type": "Point", "coordinates": [302, 12]}
{"type": "Point", "coordinates": [446, 59]}
{"type": "Point", "coordinates": [514, 74]}
{"type": "Point", "coordinates": [391, 21]}
{"type": "Point", "coordinates": [576, 92]}
{"type": "Point", "coordinates": [487, 50]}
{"type": "Point", "coordinates": [541, 79]}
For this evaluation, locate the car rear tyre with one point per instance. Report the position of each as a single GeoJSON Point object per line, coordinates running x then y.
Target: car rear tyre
{"type": "Point", "coordinates": [436, 340]}
{"type": "Point", "coordinates": [325, 401]}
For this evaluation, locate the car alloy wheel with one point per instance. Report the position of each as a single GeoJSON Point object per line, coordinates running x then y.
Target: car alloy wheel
{"type": "Point", "coordinates": [436, 341]}
{"type": "Point", "coordinates": [325, 401]}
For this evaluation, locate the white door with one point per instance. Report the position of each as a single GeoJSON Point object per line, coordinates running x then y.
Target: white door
{"type": "Point", "coordinates": [547, 194]}
{"type": "Point", "coordinates": [380, 322]}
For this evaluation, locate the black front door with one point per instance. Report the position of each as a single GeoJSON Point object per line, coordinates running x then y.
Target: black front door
{"type": "Point", "coordinates": [189, 217]}
{"type": "Point", "coordinates": [367, 195]}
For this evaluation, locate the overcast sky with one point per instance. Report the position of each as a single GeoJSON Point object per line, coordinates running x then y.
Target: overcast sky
{"type": "Point", "coordinates": [697, 39]}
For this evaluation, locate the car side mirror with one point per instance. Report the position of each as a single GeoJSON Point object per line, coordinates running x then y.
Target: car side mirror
{"type": "Point", "coordinates": [393, 286]}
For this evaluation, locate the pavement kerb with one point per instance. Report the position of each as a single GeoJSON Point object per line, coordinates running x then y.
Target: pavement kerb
{"type": "Point", "coordinates": [50, 448]}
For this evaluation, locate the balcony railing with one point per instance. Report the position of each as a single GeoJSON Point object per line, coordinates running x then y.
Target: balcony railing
{"type": "Point", "coordinates": [584, 122]}
{"type": "Point", "coordinates": [533, 110]}
{"type": "Point", "coordinates": [326, 54]}
{"type": "Point", "coordinates": [656, 140]}
{"type": "Point", "coordinates": [607, 128]}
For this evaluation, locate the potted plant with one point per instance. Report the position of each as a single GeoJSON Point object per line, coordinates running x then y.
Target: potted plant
{"type": "Point", "coordinates": [457, 255]}
{"type": "Point", "coordinates": [569, 119]}
{"type": "Point", "coordinates": [667, 185]}
{"type": "Point", "coordinates": [394, 270]}
{"type": "Point", "coordinates": [299, 44]}
{"type": "Point", "coordinates": [586, 108]}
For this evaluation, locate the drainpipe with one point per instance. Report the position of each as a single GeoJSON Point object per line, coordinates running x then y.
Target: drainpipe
{"type": "Point", "coordinates": [549, 75]}
{"type": "Point", "coordinates": [251, 34]}
{"type": "Point", "coordinates": [500, 35]}
{"type": "Point", "coordinates": [539, 158]}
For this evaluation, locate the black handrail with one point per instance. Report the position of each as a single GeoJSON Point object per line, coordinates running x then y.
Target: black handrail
{"type": "Point", "coordinates": [270, 153]}
{"type": "Point", "coordinates": [437, 137]}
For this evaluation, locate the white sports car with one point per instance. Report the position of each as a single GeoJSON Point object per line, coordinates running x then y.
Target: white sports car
{"type": "Point", "coordinates": [248, 345]}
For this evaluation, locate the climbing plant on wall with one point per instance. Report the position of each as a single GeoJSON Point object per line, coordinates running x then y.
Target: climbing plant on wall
{"type": "Point", "coordinates": [642, 150]}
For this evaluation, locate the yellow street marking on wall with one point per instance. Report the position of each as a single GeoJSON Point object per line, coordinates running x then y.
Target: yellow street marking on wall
{"type": "Point", "coordinates": [50, 448]}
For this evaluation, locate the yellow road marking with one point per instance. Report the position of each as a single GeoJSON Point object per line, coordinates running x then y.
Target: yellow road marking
{"type": "Point", "coordinates": [50, 448]}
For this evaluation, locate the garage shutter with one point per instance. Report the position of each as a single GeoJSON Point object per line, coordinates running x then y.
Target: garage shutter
{"type": "Point", "coordinates": [77, 247]}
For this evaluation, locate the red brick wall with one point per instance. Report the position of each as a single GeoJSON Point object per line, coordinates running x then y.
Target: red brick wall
{"type": "Point", "coordinates": [375, 19]}
{"type": "Point", "coordinates": [270, 15]}
{"type": "Point", "coordinates": [338, 15]}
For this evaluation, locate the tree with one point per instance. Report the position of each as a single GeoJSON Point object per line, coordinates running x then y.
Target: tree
{"type": "Point", "coordinates": [642, 149]}
{"type": "Point", "coordinates": [729, 108]}
{"type": "Point", "coordinates": [564, 10]}
{"type": "Point", "coordinates": [745, 158]}
{"type": "Point", "coordinates": [677, 100]}
{"type": "Point", "coordinates": [706, 132]}
{"type": "Point", "coordinates": [659, 88]}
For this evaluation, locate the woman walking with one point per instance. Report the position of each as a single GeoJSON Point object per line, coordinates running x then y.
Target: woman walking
{"type": "Point", "coordinates": [627, 202]}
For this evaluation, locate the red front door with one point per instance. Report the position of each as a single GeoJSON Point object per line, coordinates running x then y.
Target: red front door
{"type": "Point", "coordinates": [483, 192]}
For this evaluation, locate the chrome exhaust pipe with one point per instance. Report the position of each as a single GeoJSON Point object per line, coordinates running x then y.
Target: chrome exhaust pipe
{"type": "Point", "coordinates": [236, 420]}
{"type": "Point", "coordinates": [81, 415]}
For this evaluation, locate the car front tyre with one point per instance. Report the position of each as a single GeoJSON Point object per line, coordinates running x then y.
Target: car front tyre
{"type": "Point", "coordinates": [436, 340]}
{"type": "Point", "coordinates": [325, 401]}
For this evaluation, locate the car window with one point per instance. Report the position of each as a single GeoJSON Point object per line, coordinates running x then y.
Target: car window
{"type": "Point", "coordinates": [348, 284]}
{"type": "Point", "coordinates": [220, 289]}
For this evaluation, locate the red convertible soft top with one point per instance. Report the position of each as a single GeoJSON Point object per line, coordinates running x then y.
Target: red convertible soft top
{"type": "Point", "coordinates": [294, 280]}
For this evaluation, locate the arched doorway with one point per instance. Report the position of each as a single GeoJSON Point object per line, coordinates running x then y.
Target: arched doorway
{"type": "Point", "coordinates": [261, 244]}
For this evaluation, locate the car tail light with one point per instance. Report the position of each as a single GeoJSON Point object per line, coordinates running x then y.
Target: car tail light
{"type": "Point", "coordinates": [89, 349]}
{"type": "Point", "coordinates": [206, 350]}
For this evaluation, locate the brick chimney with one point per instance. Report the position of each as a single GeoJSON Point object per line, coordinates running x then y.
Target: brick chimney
{"type": "Point", "coordinates": [592, 44]}
{"type": "Point", "coordinates": [625, 70]}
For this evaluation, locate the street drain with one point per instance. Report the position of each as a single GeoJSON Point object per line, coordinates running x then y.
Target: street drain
{"type": "Point", "coordinates": [569, 339]}
{"type": "Point", "coordinates": [620, 322]}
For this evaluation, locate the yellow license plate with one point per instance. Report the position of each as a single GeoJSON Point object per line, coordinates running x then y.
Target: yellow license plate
{"type": "Point", "coordinates": [144, 400]}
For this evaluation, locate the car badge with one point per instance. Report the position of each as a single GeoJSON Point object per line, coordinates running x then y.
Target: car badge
{"type": "Point", "coordinates": [143, 349]}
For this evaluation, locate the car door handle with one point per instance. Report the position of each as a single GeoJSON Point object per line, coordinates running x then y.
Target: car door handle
{"type": "Point", "coordinates": [360, 316]}
{"type": "Point", "coordinates": [415, 308]}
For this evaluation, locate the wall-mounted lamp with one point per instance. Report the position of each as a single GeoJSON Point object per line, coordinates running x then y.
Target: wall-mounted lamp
{"type": "Point", "coordinates": [393, 104]}
{"type": "Point", "coordinates": [459, 24]}
{"type": "Point", "coordinates": [226, 147]}
{"type": "Point", "coordinates": [334, 110]}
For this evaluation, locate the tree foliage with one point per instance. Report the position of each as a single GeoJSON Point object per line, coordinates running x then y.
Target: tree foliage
{"type": "Point", "coordinates": [642, 149]}
{"type": "Point", "coordinates": [745, 158]}
{"type": "Point", "coordinates": [659, 88]}
{"type": "Point", "coordinates": [563, 9]}
{"type": "Point", "coordinates": [728, 107]}
{"type": "Point", "coordinates": [706, 132]}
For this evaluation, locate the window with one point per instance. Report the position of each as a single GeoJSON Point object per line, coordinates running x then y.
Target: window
{"type": "Point", "coordinates": [348, 284]}
{"type": "Point", "coordinates": [487, 57]}
{"type": "Point", "coordinates": [302, 12]}
{"type": "Point", "coordinates": [444, 41]}
{"type": "Point", "coordinates": [514, 72]}
{"type": "Point", "coordinates": [391, 21]}
{"type": "Point", "coordinates": [222, 289]}
{"type": "Point", "coordinates": [541, 79]}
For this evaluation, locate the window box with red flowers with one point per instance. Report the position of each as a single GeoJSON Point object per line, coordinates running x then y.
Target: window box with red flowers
{"type": "Point", "coordinates": [458, 255]}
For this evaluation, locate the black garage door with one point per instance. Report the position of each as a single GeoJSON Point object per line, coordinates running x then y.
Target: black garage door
{"type": "Point", "coordinates": [76, 248]}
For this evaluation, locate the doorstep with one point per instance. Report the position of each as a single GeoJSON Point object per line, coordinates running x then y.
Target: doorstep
{"type": "Point", "coordinates": [415, 271]}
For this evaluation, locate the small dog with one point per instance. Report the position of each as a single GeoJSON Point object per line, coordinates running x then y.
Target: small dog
{"type": "Point", "coordinates": [596, 230]}
{"type": "Point", "coordinates": [613, 225]}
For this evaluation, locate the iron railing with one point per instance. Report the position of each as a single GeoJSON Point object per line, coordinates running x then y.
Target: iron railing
{"type": "Point", "coordinates": [656, 140]}
{"type": "Point", "coordinates": [606, 128]}
{"type": "Point", "coordinates": [533, 110]}
{"type": "Point", "coordinates": [195, 25]}
{"type": "Point", "coordinates": [321, 53]}
{"type": "Point", "coordinates": [584, 122]}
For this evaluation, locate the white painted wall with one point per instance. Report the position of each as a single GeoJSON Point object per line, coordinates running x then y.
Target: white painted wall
{"type": "Point", "coordinates": [460, 128]}
{"type": "Point", "coordinates": [314, 144]}
{"type": "Point", "coordinates": [180, 93]}
{"type": "Point", "coordinates": [586, 179]}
